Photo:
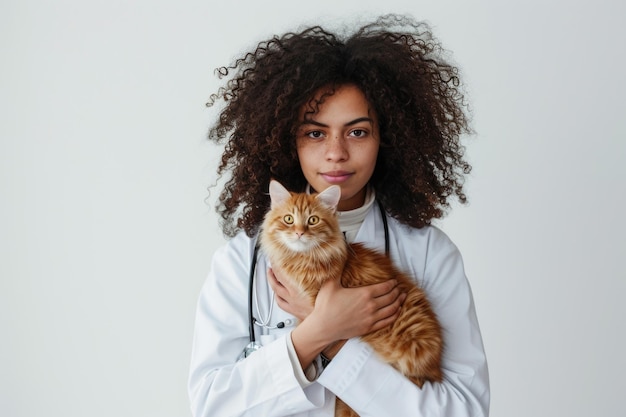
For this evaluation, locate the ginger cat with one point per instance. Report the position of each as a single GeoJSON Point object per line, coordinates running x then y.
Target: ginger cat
{"type": "Point", "coordinates": [301, 234]}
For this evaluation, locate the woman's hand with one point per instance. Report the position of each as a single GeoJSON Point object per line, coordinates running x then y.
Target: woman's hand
{"type": "Point", "coordinates": [341, 313]}
{"type": "Point", "coordinates": [289, 297]}
{"type": "Point", "coordinates": [352, 312]}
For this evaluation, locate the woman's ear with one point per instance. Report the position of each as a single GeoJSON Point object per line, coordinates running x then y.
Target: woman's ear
{"type": "Point", "coordinates": [278, 193]}
{"type": "Point", "coordinates": [330, 196]}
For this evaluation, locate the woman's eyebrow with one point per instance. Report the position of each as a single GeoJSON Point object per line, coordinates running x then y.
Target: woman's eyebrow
{"type": "Point", "coordinates": [350, 123]}
{"type": "Point", "coordinates": [359, 120]}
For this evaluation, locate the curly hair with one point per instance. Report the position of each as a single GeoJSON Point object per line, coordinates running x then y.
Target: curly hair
{"type": "Point", "coordinates": [400, 68]}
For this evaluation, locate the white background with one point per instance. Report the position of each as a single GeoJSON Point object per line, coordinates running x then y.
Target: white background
{"type": "Point", "coordinates": [106, 237]}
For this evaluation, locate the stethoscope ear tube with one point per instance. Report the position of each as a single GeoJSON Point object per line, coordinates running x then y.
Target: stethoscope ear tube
{"type": "Point", "coordinates": [250, 290]}
{"type": "Point", "coordinates": [385, 226]}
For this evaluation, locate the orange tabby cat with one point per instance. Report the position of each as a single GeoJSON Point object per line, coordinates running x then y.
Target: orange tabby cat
{"type": "Point", "coordinates": [301, 234]}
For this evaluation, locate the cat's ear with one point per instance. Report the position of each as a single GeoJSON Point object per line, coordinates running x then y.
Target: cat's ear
{"type": "Point", "coordinates": [278, 193]}
{"type": "Point", "coordinates": [330, 196]}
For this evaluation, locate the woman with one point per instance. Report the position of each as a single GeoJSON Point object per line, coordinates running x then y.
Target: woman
{"type": "Point", "coordinates": [380, 114]}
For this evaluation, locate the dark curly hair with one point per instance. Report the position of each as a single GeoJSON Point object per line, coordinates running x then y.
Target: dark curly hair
{"type": "Point", "coordinates": [398, 65]}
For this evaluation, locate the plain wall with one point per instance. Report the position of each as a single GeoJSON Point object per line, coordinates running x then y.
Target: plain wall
{"type": "Point", "coordinates": [107, 228]}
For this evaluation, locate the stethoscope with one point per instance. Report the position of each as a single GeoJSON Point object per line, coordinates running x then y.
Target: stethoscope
{"type": "Point", "coordinates": [253, 345]}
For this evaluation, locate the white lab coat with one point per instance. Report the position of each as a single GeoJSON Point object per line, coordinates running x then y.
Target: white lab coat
{"type": "Point", "coordinates": [264, 384]}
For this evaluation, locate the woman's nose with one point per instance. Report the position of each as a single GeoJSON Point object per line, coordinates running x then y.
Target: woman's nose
{"type": "Point", "coordinates": [336, 149]}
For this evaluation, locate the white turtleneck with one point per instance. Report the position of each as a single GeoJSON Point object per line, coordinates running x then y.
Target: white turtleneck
{"type": "Point", "coordinates": [350, 221]}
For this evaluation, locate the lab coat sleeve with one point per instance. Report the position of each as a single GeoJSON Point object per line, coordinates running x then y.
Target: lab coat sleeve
{"type": "Point", "coordinates": [263, 384]}
{"type": "Point", "coordinates": [374, 388]}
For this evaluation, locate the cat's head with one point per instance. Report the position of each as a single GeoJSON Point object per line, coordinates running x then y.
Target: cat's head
{"type": "Point", "coordinates": [301, 222]}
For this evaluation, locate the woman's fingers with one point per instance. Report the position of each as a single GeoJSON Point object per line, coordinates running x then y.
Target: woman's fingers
{"type": "Point", "coordinates": [289, 298]}
{"type": "Point", "coordinates": [358, 310]}
{"type": "Point", "coordinates": [280, 291]}
{"type": "Point", "coordinates": [389, 313]}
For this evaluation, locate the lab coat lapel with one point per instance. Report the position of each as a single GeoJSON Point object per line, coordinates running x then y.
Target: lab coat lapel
{"type": "Point", "coordinates": [372, 231]}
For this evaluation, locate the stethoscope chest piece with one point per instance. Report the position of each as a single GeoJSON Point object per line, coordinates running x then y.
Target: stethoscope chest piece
{"type": "Point", "coordinates": [249, 350]}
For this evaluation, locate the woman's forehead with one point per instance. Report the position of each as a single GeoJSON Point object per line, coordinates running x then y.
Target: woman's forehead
{"type": "Point", "coordinates": [346, 102]}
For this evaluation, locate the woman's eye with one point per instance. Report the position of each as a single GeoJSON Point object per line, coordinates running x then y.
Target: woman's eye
{"type": "Point", "coordinates": [313, 220]}
{"type": "Point", "coordinates": [358, 133]}
{"type": "Point", "coordinates": [288, 219]}
{"type": "Point", "coordinates": [315, 134]}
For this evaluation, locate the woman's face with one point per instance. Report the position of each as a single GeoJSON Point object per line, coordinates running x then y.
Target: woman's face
{"type": "Point", "coordinates": [339, 144]}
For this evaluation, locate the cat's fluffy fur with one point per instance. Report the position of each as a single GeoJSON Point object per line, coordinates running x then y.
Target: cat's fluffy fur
{"type": "Point", "coordinates": [301, 234]}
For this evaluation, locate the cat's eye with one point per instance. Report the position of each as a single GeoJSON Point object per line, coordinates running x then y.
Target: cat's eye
{"type": "Point", "coordinates": [288, 219]}
{"type": "Point", "coordinates": [313, 220]}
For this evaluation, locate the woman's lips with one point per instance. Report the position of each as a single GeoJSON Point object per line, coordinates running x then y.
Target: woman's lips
{"type": "Point", "coordinates": [336, 177]}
